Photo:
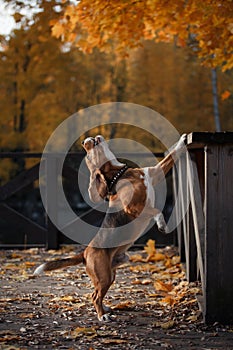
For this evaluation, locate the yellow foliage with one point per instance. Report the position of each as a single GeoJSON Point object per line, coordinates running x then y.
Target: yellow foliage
{"type": "Point", "coordinates": [125, 23]}
{"type": "Point", "coordinates": [150, 247]}
{"type": "Point", "coordinates": [136, 258]}
{"type": "Point", "coordinates": [124, 305]}
{"type": "Point", "coordinates": [225, 95]}
{"type": "Point", "coordinates": [161, 286]}
{"type": "Point", "coordinates": [83, 331]}
{"type": "Point", "coordinates": [156, 257]}
{"type": "Point", "coordinates": [57, 29]}
{"type": "Point", "coordinates": [169, 300]}
{"type": "Point", "coordinates": [153, 255]}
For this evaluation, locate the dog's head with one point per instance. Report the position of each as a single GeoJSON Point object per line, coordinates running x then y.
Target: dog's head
{"type": "Point", "coordinates": [90, 142]}
{"type": "Point", "coordinates": [99, 160]}
{"type": "Point", "coordinates": [98, 152]}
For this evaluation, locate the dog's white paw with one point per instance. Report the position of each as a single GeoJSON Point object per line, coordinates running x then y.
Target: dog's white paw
{"type": "Point", "coordinates": [105, 318]}
{"type": "Point", "coordinates": [39, 270]}
{"type": "Point", "coordinates": [159, 219]}
{"type": "Point", "coordinates": [181, 144]}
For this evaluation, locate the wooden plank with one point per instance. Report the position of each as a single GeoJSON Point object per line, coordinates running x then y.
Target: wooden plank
{"type": "Point", "coordinates": [219, 238]}
{"type": "Point", "coordinates": [188, 230]}
{"type": "Point", "coordinates": [79, 155]}
{"type": "Point", "coordinates": [204, 138]}
{"type": "Point", "coordinates": [179, 228]}
{"type": "Point", "coordinates": [191, 269]}
{"type": "Point", "coordinates": [19, 155]}
{"type": "Point", "coordinates": [20, 220]}
{"type": "Point", "coordinates": [52, 241]}
{"type": "Point", "coordinates": [19, 182]}
{"type": "Point", "coordinates": [182, 187]}
{"type": "Point", "coordinates": [21, 246]}
{"type": "Point", "coordinates": [198, 215]}
{"type": "Point", "coordinates": [198, 157]}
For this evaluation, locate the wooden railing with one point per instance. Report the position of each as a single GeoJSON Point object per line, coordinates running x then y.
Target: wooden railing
{"type": "Point", "coordinates": [47, 235]}
{"type": "Point", "coordinates": [25, 232]}
{"type": "Point", "coordinates": [205, 236]}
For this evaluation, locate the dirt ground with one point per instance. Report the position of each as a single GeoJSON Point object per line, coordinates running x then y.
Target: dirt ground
{"type": "Point", "coordinates": [154, 307]}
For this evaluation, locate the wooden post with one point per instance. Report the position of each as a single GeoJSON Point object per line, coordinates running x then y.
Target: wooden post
{"type": "Point", "coordinates": [191, 259]}
{"type": "Point", "coordinates": [218, 294]}
{"type": "Point", "coordinates": [186, 232]}
{"type": "Point", "coordinates": [182, 177]}
{"type": "Point", "coordinates": [211, 196]}
{"type": "Point", "coordinates": [51, 192]}
{"type": "Point", "coordinates": [191, 267]}
{"type": "Point", "coordinates": [198, 216]}
{"type": "Point", "coordinates": [179, 229]}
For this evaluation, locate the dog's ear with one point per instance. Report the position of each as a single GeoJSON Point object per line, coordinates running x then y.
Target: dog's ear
{"type": "Point", "coordinates": [101, 184]}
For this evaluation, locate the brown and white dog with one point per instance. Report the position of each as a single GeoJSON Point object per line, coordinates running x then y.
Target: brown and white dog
{"type": "Point", "coordinates": [131, 198]}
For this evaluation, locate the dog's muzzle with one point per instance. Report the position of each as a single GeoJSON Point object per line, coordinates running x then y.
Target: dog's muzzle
{"type": "Point", "coordinates": [95, 142]}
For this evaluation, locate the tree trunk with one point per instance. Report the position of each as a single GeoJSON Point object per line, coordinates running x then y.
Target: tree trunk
{"type": "Point", "coordinates": [215, 100]}
{"type": "Point", "coordinates": [22, 122]}
{"type": "Point", "coordinates": [15, 98]}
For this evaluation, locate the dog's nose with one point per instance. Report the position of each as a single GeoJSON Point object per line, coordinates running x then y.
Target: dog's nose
{"type": "Point", "coordinates": [83, 142]}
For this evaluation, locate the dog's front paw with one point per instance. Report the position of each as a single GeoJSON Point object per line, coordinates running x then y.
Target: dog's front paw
{"type": "Point", "coordinates": [181, 144]}
{"type": "Point", "coordinates": [159, 219]}
{"type": "Point", "coordinates": [105, 318]}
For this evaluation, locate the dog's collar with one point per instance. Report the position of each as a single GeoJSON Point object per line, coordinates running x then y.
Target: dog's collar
{"type": "Point", "coordinates": [114, 180]}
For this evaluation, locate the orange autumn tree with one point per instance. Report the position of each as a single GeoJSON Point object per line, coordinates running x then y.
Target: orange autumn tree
{"type": "Point", "coordinates": [206, 26]}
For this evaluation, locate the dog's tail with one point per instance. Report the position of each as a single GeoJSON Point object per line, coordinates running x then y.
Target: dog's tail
{"type": "Point", "coordinates": [58, 264]}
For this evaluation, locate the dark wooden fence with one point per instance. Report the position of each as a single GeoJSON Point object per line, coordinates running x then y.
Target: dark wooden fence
{"type": "Point", "coordinates": [205, 235]}
{"type": "Point", "coordinates": [18, 226]}
{"type": "Point", "coordinates": [23, 220]}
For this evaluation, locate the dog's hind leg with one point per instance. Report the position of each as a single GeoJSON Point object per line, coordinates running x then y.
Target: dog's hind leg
{"type": "Point", "coordinates": [98, 267]}
{"type": "Point", "coordinates": [97, 298]}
